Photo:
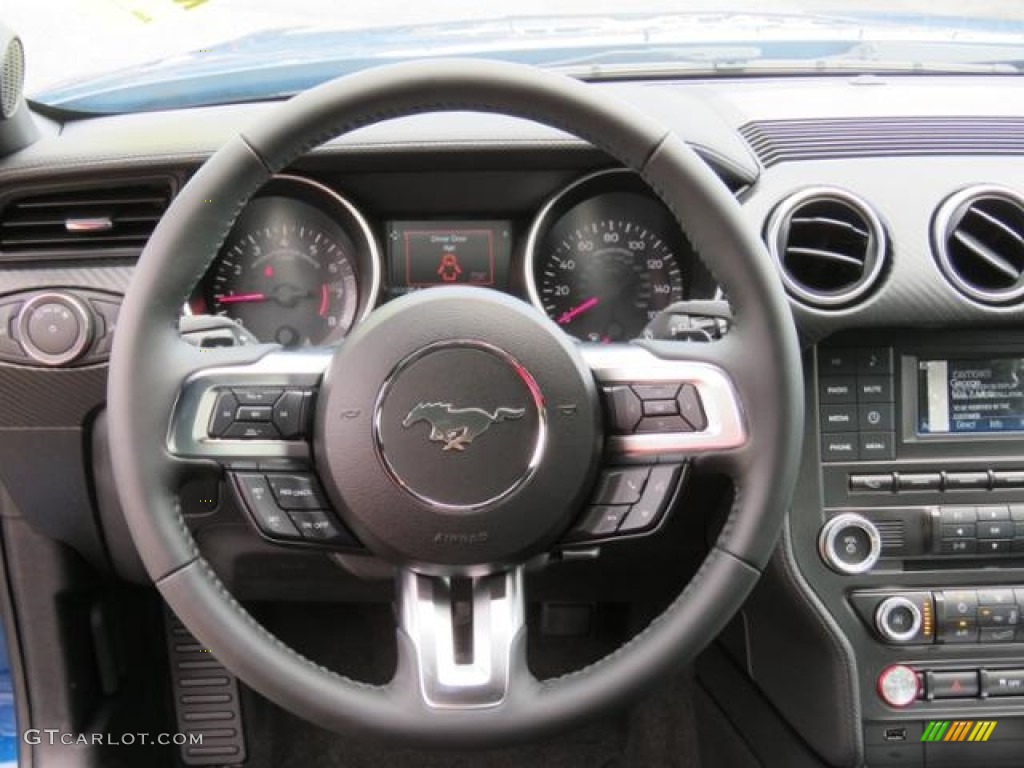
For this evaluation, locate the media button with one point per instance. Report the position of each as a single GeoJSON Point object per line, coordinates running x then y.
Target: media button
{"type": "Point", "coordinates": [959, 531]}
{"type": "Point", "coordinates": [1000, 529]}
{"type": "Point", "coordinates": [838, 418]}
{"type": "Point", "coordinates": [959, 546]}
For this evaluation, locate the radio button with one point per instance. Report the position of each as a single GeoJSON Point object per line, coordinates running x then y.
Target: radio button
{"type": "Point", "coordinates": [959, 515]}
{"type": "Point", "coordinates": [994, 546]}
{"type": "Point", "coordinates": [874, 389]}
{"type": "Point", "coordinates": [878, 482]}
{"type": "Point", "coordinates": [838, 418]}
{"type": "Point", "coordinates": [959, 546]}
{"type": "Point", "coordinates": [958, 531]}
{"type": "Point", "coordinates": [877, 446]}
{"type": "Point", "coordinates": [958, 481]}
{"type": "Point", "coordinates": [837, 389]}
{"type": "Point", "coordinates": [993, 512]}
{"type": "Point", "coordinates": [1001, 529]}
{"type": "Point", "coordinates": [920, 481]}
{"type": "Point", "coordinates": [1012, 478]}
{"type": "Point", "coordinates": [876, 418]}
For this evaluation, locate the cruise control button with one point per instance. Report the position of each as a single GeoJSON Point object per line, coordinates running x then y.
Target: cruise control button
{"type": "Point", "coordinates": [664, 424]}
{"type": "Point", "coordinates": [251, 430]}
{"type": "Point", "coordinates": [962, 684]}
{"type": "Point", "coordinates": [270, 518]}
{"type": "Point", "coordinates": [1002, 682]}
{"type": "Point", "coordinates": [691, 408]}
{"type": "Point", "coordinates": [223, 414]}
{"type": "Point", "coordinates": [317, 525]}
{"type": "Point", "coordinates": [253, 413]}
{"type": "Point", "coordinates": [287, 414]}
{"type": "Point", "coordinates": [296, 491]}
{"type": "Point", "coordinates": [622, 486]}
{"type": "Point", "coordinates": [648, 510]}
{"type": "Point", "coordinates": [625, 408]}
{"type": "Point", "coordinates": [666, 391]}
{"type": "Point", "coordinates": [257, 395]}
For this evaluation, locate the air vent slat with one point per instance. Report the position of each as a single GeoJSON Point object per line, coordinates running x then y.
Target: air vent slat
{"type": "Point", "coordinates": [89, 220]}
{"type": "Point", "coordinates": [777, 141]}
{"type": "Point", "coordinates": [830, 246]}
{"type": "Point", "coordinates": [817, 253]}
{"type": "Point", "coordinates": [979, 243]}
{"type": "Point", "coordinates": [985, 253]}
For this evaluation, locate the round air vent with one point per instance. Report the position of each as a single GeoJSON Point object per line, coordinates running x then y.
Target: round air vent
{"type": "Point", "coordinates": [979, 243]}
{"type": "Point", "coordinates": [829, 245]}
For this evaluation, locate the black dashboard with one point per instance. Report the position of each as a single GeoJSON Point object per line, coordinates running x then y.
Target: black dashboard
{"type": "Point", "coordinates": [894, 209]}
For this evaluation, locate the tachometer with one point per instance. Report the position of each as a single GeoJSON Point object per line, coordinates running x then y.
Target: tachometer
{"type": "Point", "coordinates": [291, 269]}
{"type": "Point", "coordinates": [604, 257]}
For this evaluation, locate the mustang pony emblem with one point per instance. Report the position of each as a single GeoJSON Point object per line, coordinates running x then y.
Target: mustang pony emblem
{"type": "Point", "coordinates": [458, 427]}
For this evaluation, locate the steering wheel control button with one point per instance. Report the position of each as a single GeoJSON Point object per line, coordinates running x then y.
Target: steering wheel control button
{"type": "Point", "coordinates": [899, 686]}
{"type": "Point", "coordinates": [666, 391]}
{"type": "Point", "coordinates": [850, 543]}
{"type": "Point", "coordinates": [659, 424]}
{"type": "Point", "coordinates": [288, 414]}
{"type": "Point", "coordinates": [251, 430]}
{"type": "Point", "coordinates": [55, 328]}
{"type": "Point", "coordinates": [223, 415]}
{"type": "Point", "coordinates": [691, 408]}
{"type": "Point", "coordinates": [317, 525]}
{"type": "Point", "coordinates": [625, 409]}
{"type": "Point", "coordinates": [259, 500]}
{"type": "Point", "coordinates": [658, 491]}
{"type": "Point", "coordinates": [296, 492]}
{"type": "Point", "coordinates": [254, 413]}
{"type": "Point", "coordinates": [660, 407]}
{"type": "Point", "coordinates": [257, 395]}
{"type": "Point", "coordinates": [898, 620]}
{"type": "Point", "coordinates": [598, 522]}
{"type": "Point", "coordinates": [622, 486]}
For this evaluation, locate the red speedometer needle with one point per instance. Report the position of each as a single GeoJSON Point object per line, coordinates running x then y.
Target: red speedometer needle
{"type": "Point", "coordinates": [238, 298]}
{"type": "Point", "coordinates": [569, 315]}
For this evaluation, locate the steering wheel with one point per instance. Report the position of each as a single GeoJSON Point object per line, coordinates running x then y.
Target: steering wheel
{"type": "Point", "coordinates": [458, 433]}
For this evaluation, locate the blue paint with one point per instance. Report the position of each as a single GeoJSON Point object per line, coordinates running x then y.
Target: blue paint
{"type": "Point", "coordinates": [8, 713]}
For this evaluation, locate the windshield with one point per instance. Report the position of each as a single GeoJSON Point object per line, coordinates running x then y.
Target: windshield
{"type": "Point", "coordinates": [131, 55]}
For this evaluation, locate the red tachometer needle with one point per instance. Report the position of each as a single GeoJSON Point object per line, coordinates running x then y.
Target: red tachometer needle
{"type": "Point", "coordinates": [238, 298]}
{"type": "Point", "coordinates": [568, 316]}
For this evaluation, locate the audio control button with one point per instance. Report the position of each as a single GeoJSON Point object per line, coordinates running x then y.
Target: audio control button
{"type": "Point", "coordinates": [959, 546]}
{"type": "Point", "coordinates": [993, 513]}
{"type": "Point", "coordinates": [958, 515]}
{"type": "Point", "coordinates": [850, 543]}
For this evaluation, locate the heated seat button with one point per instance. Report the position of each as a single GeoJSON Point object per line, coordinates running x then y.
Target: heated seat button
{"type": "Point", "coordinates": [296, 491]}
{"type": "Point", "coordinates": [223, 415]}
{"type": "Point", "coordinates": [953, 685]}
{"type": "Point", "coordinates": [269, 518]}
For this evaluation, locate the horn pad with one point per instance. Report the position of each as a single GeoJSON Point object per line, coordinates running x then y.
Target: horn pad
{"type": "Point", "coordinates": [457, 428]}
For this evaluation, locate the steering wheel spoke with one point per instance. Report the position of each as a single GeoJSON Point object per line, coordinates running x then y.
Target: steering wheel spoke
{"type": "Point", "coordinates": [462, 636]}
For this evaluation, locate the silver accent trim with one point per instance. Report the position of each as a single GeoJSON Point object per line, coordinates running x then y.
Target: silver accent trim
{"type": "Point", "coordinates": [376, 263]}
{"type": "Point", "coordinates": [827, 543]}
{"type": "Point", "coordinates": [539, 445]}
{"type": "Point", "coordinates": [190, 420]}
{"type": "Point", "coordinates": [941, 229]}
{"type": "Point", "coordinates": [85, 327]}
{"type": "Point", "coordinates": [94, 224]}
{"type": "Point", "coordinates": [778, 222]}
{"type": "Point", "coordinates": [885, 610]}
{"type": "Point", "coordinates": [540, 219]}
{"type": "Point", "coordinates": [630, 364]}
{"type": "Point", "coordinates": [425, 617]}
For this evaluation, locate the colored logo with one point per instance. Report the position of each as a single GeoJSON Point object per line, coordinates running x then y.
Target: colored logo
{"type": "Point", "coordinates": [958, 730]}
{"type": "Point", "coordinates": [458, 427]}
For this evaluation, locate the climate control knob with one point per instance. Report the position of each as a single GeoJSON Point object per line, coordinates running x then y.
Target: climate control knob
{"type": "Point", "coordinates": [898, 619]}
{"type": "Point", "coordinates": [850, 543]}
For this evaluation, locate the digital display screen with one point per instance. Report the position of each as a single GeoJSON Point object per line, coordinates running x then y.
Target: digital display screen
{"type": "Point", "coordinates": [427, 253]}
{"type": "Point", "coordinates": [960, 397]}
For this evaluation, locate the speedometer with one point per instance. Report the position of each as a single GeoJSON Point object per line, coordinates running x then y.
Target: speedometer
{"type": "Point", "coordinates": [607, 279]}
{"type": "Point", "coordinates": [605, 256]}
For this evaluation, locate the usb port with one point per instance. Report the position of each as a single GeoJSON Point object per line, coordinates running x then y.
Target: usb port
{"type": "Point", "coordinates": [895, 734]}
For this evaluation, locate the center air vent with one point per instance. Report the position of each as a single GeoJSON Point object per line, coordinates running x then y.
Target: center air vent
{"type": "Point", "coordinates": [979, 243]}
{"type": "Point", "coordinates": [829, 246]}
{"type": "Point", "coordinates": [115, 220]}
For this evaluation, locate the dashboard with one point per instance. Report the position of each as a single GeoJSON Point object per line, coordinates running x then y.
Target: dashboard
{"type": "Point", "coordinates": [602, 257]}
{"type": "Point", "coordinates": [893, 208]}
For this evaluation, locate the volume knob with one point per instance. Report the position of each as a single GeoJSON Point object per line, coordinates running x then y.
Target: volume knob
{"type": "Point", "coordinates": [850, 543]}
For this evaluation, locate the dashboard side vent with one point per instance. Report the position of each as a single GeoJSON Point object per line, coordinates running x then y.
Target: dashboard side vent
{"type": "Point", "coordinates": [780, 141]}
{"type": "Point", "coordinates": [113, 221]}
{"type": "Point", "coordinates": [979, 243]}
{"type": "Point", "coordinates": [830, 246]}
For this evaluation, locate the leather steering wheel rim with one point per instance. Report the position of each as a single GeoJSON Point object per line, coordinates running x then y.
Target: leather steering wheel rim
{"type": "Point", "coordinates": [149, 362]}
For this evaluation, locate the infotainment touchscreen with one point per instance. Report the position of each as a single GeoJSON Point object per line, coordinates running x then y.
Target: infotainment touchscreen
{"type": "Point", "coordinates": [970, 396]}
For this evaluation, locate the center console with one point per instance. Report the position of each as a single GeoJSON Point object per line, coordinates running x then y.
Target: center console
{"type": "Point", "coordinates": [916, 548]}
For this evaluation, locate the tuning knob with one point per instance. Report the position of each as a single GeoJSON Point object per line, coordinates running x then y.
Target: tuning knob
{"type": "Point", "coordinates": [55, 328]}
{"type": "Point", "coordinates": [850, 543]}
